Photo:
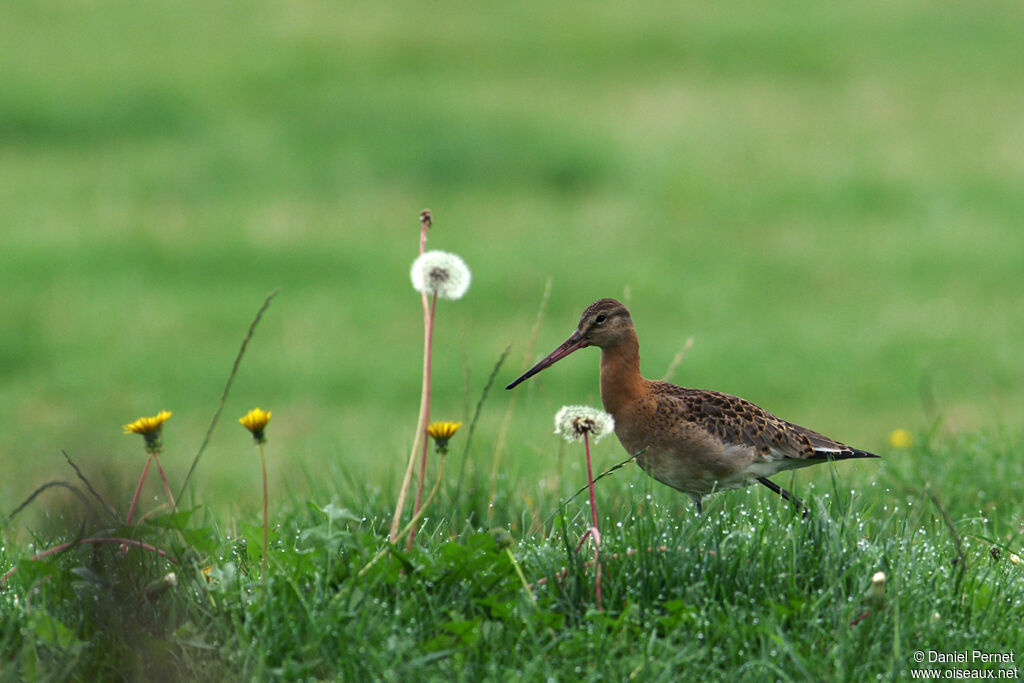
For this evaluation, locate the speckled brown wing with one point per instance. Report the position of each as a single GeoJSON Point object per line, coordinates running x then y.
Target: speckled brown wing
{"type": "Point", "coordinates": [737, 421]}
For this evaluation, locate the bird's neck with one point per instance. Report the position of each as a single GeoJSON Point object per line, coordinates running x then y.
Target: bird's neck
{"type": "Point", "coordinates": [621, 382]}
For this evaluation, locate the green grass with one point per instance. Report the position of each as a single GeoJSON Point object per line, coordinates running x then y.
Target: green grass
{"type": "Point", "coordinates": [825, 197]}
{"type": "Point", "coordinates": [748, 589]}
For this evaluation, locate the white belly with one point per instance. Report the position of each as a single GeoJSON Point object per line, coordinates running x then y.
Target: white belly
{"type": "Point", "coordinates": [700, 474]}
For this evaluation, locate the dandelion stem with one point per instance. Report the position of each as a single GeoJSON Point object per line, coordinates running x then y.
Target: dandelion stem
{"type": "Point", "coordinates": [138, 490]}
{"type": "Point", "coordinates": [426, 415]}
{"type": "Point", "coordinates": [595, 534]}
{"type": "Point", "coordinates": [421, 423]}
{"type": "Point", "coordinates": [426, 218]}
{"type": "Point", "coordinates": [409, 526]}
{"type": "Point", "coordinates": [263, 466]}
{"type": "Point", "coordinates": [590, 480]}
{"type": "Point", "coordinates": [163, 478]}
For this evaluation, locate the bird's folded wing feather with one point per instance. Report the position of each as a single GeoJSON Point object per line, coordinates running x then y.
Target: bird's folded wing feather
{"type": "Point", "coordinates": [737, 421]}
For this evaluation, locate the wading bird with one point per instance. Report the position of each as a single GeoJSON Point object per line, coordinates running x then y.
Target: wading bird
{"type": "Point", "coordinates": [695, 440]}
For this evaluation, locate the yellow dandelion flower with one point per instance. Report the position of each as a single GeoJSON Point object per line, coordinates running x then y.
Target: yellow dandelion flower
{"type": "Point", "coordinates": [901, 438]}
{"type": "Point", "coordinates": [441, 433]}
{"type": "Point", "coordinates": [148, 425]}
{"type": "Point", "coordinates": [256, 421]}
{"type": "Point", "coordinates": [149, 428]}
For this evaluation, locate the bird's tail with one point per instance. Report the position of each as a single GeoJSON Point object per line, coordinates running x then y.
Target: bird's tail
{"type": "Point", "coordinates": [841, 454]}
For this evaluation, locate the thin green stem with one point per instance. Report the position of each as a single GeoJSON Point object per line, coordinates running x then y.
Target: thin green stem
{"type": "Point", "coordinates": [263, 466]}
{"type": "Point", "coordinates": [472, 428]}
{"type": "Point", "coordinates": [227, 390]}
{"type": "Point", "coordinates": [522, 578]}
{"type": "Point", "coordinates": [599, 478]}
{"type": "Point", "coordinates": [500, 441]}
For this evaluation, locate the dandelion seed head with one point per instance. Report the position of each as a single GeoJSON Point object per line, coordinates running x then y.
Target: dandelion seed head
{"type": "Point", "coordinates": [878, 580]}
{"type": "Point", "coordinates": [440, 273]}
{"type": "Point", "coordinates": [572, 422]}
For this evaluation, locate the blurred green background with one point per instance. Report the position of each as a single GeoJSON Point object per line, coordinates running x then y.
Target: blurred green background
{"type": "Point", "coordinates": [828, 197]}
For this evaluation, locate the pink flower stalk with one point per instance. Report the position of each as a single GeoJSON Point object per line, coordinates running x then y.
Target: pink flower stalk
{"type": "Point", "coordinates": [577, 423]}
{"type": "Point", "coordinates": [439, 275]}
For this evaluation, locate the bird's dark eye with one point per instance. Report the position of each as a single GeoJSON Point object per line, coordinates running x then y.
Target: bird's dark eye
{"type": "Point", "coordinates": [601, 317]}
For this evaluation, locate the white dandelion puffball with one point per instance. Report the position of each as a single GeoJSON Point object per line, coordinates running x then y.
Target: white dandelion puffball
{"type": "Point", "coordinates": [440, 273]}
{"type": "Point", "coordinates": [572, 422]}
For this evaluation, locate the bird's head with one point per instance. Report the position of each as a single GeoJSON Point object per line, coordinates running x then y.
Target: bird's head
{"type": "Point", "coordinates": [605, 323]}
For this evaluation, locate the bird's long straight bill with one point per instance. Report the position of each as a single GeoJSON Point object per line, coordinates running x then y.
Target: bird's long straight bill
{"type": "Point", "coordinates": [571, 344]}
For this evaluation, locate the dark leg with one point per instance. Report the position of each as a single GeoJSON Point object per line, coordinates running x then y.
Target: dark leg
{"type": "Point", "coordinates": [700, 508]}
{"type": "Point", "coordinates": [797, 503]}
